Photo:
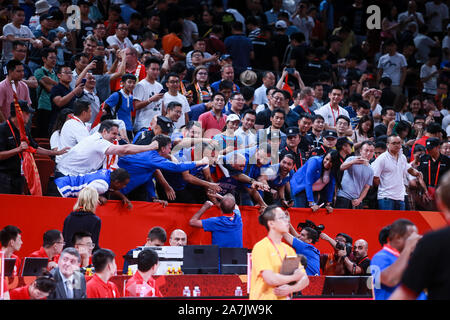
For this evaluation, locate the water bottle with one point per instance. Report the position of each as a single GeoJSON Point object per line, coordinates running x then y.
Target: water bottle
{"type": "Point", "coordinates": [186, 292]}
{"type": "Point", "coordinates": [238, 292]}
{"type": "Point", "coordinates": [196, 292]}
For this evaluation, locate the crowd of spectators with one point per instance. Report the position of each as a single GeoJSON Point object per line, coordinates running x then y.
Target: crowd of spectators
{"type": "Point", "coordinates": [294, 103]}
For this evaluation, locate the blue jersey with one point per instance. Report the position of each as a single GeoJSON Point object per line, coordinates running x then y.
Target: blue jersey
{"type": "Point", "coordinates": [380, 261]}
{"type": "Point", "coordinates": [70, 186]}
{"type": "Point", "coordinates": [312, 255]}
{"type": "Point", "coordinates": [141, 167]}
{"type": "Point", "coordinates": [274, 179]}
{"type": "Point", "coordinates": [225, 232]}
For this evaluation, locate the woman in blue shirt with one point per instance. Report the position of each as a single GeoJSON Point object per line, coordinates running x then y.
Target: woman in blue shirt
{"type": "Point", "coordinates": [316, 176]}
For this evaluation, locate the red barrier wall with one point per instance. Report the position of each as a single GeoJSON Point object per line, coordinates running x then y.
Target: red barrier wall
{"type": "Point", "coordinates": [124, 229]}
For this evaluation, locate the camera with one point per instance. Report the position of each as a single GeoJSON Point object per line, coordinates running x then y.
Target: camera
{"type": "Point", "coordinates": [290, 70]}
{"type": "Point", "coordinates": [312, 225]}
{"type": "Point", "coordinates": [344, 246]}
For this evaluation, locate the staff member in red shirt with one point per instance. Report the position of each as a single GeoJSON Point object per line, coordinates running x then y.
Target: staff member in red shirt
{"type": "Point", "coordinates": [142, 284]}
{"type": "Point", "coordinates": [39, 289]}
{"type": "Point", "coordinates": [11, 241]}
{"type": "Point", "coordinates": [51, 248]}
{"type": "Point", "coordinates": [105, 267]}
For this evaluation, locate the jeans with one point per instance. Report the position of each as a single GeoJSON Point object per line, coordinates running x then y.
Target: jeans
{"type": "Point", "coordinates": [300, 200]}
{"type": "Point", "coordinates": [390, 204]}
{"type": "Point", "coordinates": [344, 203]}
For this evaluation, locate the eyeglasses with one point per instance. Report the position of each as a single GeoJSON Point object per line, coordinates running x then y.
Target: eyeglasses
{"type": "Point", "coordinates": [59, 242]}
{"type": "Point", "coordinates": [173, 81]}
{"type": "Point", "coordinates": [278, 98]}
{"type": "Point", "coordinates": [284, 217]}
{"type": "Point", "coordinates": [203, 73]}
{"type": "Point", "coordinates": [123, 29]}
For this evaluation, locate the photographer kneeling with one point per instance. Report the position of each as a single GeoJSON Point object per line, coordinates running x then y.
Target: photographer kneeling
{"type": "Point", "coordinates": [302, 243]}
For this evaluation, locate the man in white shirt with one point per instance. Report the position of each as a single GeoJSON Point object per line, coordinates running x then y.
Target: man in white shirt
{"type": "Point", "coordinates": [429, 74]}
{"type": "Point", "coordinates": [389, 169]}
{"type": "Point", "coordinates": [260, 96]}
{"type": "Point", "coordinates": [17, 31]}
{"type": "Point", "coordinates": [74, 130]}
{"type": "Point", "coordinates": [393, 65]}
{"type": "Point", "coordinates": [331, 111]}
{"type": "Point", "coordinates": [91, 154]}
{"type": "Point", "coordinates": [411, 15]}
{"type": "Point", "coordinates": [148, 96]}
{"type": "Point", "coordinates": [120, 40]}
{"type": "Point", "coordinates": [173, 84]}
{"type": "Point", "coordinates": [247, 131]}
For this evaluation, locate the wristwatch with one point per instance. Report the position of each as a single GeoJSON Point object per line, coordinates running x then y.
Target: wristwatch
{"type": "Point", "coordinates": [252, 180]}
{"type": "Point", "coordinates": [312, 204]}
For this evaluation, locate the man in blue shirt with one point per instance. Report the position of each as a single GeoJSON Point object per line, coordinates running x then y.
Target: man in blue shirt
{"type": "Point", "coordinates": [302, 243]}
{"type": "Point", "coordinates": [143, 167]}
{"type": "Point", "coordinates": [120, 102]}
{"type": "Point", "coordinates": [226, 230]}
{"type": "Point", "coordinates": [389, 263]}
{"type": "Point", "coordinates": [240, 47]}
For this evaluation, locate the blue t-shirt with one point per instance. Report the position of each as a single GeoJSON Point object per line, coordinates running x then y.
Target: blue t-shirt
{"type": "Point", "coordinates": [124, 112]}
{"type": "Point", "coordinates": [226, 141]}
{"type": "Point", "coordinates": [225, 232]}
{"type": "Point", "coordinates": [312, 255]}
{"type": "Point", "coordinates": [380, 261]}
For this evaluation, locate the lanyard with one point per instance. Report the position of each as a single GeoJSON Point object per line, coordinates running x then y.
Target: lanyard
{"type": "Point", "coordinates": [182, 88]}
{"type": "Point", "coordinates": [309, 111]}
{"type": "Point", "coordinates": [199, 92]}
{"type": "Point", "coordinates": [14, 135]}
{"type": "Point", "coordinates": [437, 173]}
{"type": "Point", "coordinates": [278, 252]}
{"type": "Point", "coordinates": [332, 112]}
{"type": "Point", "coordinates": [111, 159]}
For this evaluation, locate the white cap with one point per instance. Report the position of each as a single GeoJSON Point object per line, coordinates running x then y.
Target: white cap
{"type": "Point", "coordinates": [233, 117]}
{"type": "Point", "coordinates": [281, 24]}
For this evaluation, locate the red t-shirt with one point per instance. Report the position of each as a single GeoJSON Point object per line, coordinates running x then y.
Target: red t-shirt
{"type": "Point", "coordinates": [211, 124]}
{"type": "Point", "coordinates": [16, 270]}
{"type": "Point", "coordinates": [97, 288]}
{"type": "Point", "coordinates": [20, 293]}
{"type": "Point", "coordinates": [42, 254]}
{"type": "Point", "coordinates": [136, 287]}
{"type": "Point", "coordinates": [422, 141]}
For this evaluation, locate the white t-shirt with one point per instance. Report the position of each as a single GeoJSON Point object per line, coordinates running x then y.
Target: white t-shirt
{"type": "Point", "coordinates": [72, 132]}
{"type": "Point", "coordinates": [189, 29]}
{"type": "Point", "coordinates": [435, 22]}
{"type": "Point", "coordinates": [446, 42]}
{"type": "Point", "coordinates": [184, 107]}
{"type": "Point", "coordinates": [113, 40]}
{"type": "Point", "coordinates": [260, 96]}
{"type": "Point", "coordinates": [431, 85]}
{"type": "Point", "coordinates": [423, 44]}
{"type": "Point", "coordinates": [330, 115]}
{"type": "Point", "coordinates": [87, 156]}
{"type": "Point", "coordinates": [391, 66]}
{"type": "Point", "coordinates": [391, 172]}
{"type": "Point", "coordinates": [143, 91]}
{"type": "Point", "coordinates": [10, 29]}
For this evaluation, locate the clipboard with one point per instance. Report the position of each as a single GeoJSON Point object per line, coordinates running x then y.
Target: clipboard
{"type": "Point", "coordinates": [289, 265]}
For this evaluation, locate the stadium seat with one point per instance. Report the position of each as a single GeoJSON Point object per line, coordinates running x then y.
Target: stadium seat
{"type": "Point", "coordinates": [46, 168]}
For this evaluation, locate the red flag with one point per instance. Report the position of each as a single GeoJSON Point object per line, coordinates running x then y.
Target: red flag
{"type": "Point", "coordinates": [29, 167]}
{"type": "Point", "coordinates": [98, 116]}
{"type": "Point", "coordinates": [286, 85]}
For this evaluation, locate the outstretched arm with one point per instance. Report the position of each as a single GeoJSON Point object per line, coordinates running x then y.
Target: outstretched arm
{"type": "Point", "coordinates": [195, 220]}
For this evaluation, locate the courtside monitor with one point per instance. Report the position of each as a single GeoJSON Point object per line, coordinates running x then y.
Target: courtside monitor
{"type": "Point", "coordinates": [233, 260]}
{"type": "Point", "coordinates": [200, 259]}
{"type": "Point", "coordinates": [34, 266]}
{"type": "Point", "coordinates": [341, 286]}
{"type": "Point", "coordinates": [9, 266]}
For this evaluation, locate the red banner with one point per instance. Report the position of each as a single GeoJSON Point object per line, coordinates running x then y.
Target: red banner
{"type": "Point", "coordinates": [124, 229]}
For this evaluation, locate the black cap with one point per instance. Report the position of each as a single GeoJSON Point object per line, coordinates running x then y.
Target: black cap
{"type": "Point", "coordinates": [292, 131]}
{"type": "Point", "coordinates": [329, 134]}
{"type": "Point", "coordinates": [23, 106]}
{"type": "Point", "coordinates": [46, 16]}
{"type": "Point", "coordinates": [165, 123]}
{"type": "Point", "coordinates": [431, 143]}
{"type": "Point", "coordinates": [343, 140]}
